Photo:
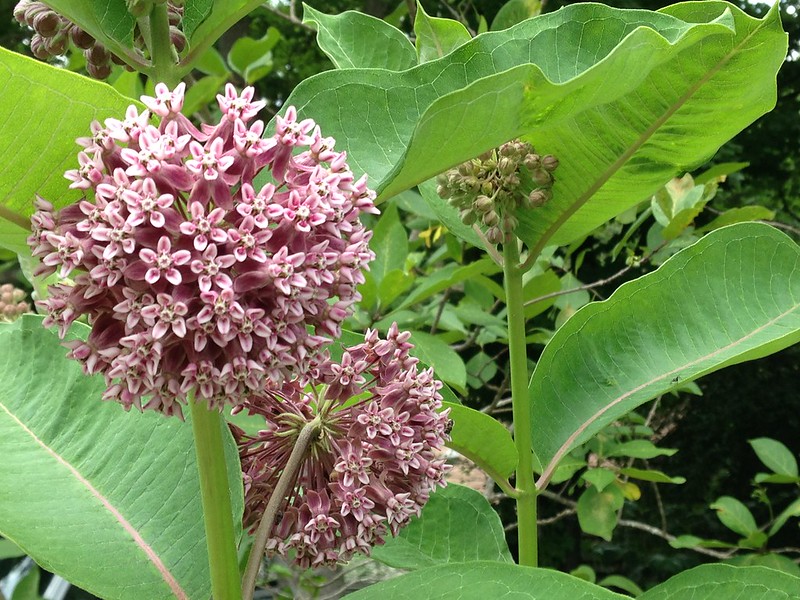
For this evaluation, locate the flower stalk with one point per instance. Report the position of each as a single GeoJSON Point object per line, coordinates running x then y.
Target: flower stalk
{"type": "Point", "coordinates": [215, 493]}
{"type": "Point", "coordinates": [307, 435]}
{"type": "Point", "coordinates": [526, 496]}
{"type": "Point", "coordinates": [161, 52]}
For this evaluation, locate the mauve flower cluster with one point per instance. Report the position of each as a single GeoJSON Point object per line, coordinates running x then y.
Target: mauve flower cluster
{"type": "Point", "coordinates": [211, 261]}
{"type": "Point", "coordinates": [373, 465]}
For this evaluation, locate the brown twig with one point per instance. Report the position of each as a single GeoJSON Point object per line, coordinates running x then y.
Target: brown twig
{"type": "Point", "coordinates": [588, 286]}
{"type": "Point", "coordinates": [290, 16]}
{"type": "Point", "coordinates": [651, 529]}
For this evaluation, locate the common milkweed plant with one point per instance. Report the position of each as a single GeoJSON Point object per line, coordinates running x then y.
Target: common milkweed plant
{"type": "Point", "coordinates": [193, 271]}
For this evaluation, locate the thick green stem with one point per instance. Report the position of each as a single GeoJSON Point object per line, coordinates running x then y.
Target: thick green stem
{"type": "Point", "coordinates": [518, 358]}
{"type": "Point", "coordinates": [218, 516]}
{"type": "Point", "coordinates": [162, 56]}
{"type": "Point", "coordinates": [286, 481]}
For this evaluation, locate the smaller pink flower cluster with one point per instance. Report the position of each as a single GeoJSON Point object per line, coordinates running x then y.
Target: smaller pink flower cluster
{"type": "Point", "coordinates": [214, 260]}
{"type": "Point", "coordinates": [374, 464]}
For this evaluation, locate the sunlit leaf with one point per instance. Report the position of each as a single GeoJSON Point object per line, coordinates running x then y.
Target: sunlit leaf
{"type": "Point", "coordinates": [457, 525]}
{"type": "Point", "coordinates": [731, 297]}
{"type": "Point", "coordinates": [356, 40]}
{"type": "Point", "coordinates": [107, 499]}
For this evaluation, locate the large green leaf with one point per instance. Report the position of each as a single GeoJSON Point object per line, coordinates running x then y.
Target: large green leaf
{"type": "Point", "coordinates": [482, 580]}
{"type": "Point", "coordinates": [732, 296]}
{"type": "Point", "coordinates": [724, 582]}
{"type": "Point", "coordinates": [42, 110]}
{"type": "Point", "coordinates": [355, 40]}
{"type": "Point", "coordinates": [625, 99]}
{"type": "Point", "coordinates": [437, 37]}
{"type": "Point", "coordinates": [446, 362]}
{"type": "Point", "coordinates": [457, 525]}
{"type": "Point", "coordinates": [484, 440]}
{"type": "Point", "coordinates": [107, 499]}
{"type": "Point", "coordinates": [390, 244]}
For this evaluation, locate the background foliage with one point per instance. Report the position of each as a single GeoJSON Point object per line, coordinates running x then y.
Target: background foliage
{"type": "Point", "coordinates": [709, 432]}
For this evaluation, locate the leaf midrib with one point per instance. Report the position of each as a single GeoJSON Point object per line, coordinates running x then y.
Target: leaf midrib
{"type": "Point", "coordinates": [567, 445]}
{"type": "Point", "coordinates": [146, 548]}
{"type": "Point", "coordinates": [625, 156]}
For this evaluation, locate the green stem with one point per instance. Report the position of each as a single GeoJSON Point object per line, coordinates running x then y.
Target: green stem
{"type": "Point", "coordinates": [518, 358]}
{"type": "Point", "coordinates": [217, 514]}
{"type": "Point", "coordinates": [286, 481]}
{"type": "Point", "coordinates": [161, 53]}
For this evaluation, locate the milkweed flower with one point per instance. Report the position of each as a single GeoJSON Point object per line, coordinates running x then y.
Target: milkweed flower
{"type": "Point", "coordinates": [373, 464]}
{"type": "Point", "coordinates": [210, 260]}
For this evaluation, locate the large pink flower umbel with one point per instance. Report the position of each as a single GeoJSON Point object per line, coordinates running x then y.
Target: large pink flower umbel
{"type": "Point", "coordinates": [212, 261]}
{"type": "Point", "coordinates": [373, 465]}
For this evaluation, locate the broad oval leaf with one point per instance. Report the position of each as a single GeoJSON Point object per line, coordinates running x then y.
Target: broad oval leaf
{"type": "Point", "coordinates": [735, 516]}
{"type": "Point", "coordinates": [775, 456]}
{"type": "Point", "coordinates": [482, 580]}
{"type": "Point", "coordinates": [598, 512]}
{"type": "Point", "coordinates": [724, 582]}
{"type": "Point", "coordinates": [446, 362]}
{"type": "Point", "coordinates": [457, 525]}
{"type": "Point", "coordinates": [608, 91]}
{"type": "Point", "coordinates": [251, 58]}
{"type": "Point", "coordinates": [732, 296]}
{"type": "Point", "coordinates": [437, 37]}
{"type": "Point", "coordinates": [355, 40]}
{"type": "Point", "coordinates": [109, 500]}
{"type": "Point", "coordinates": [38, 143]}
{"type": "Point", "coordinates": [483, 440]}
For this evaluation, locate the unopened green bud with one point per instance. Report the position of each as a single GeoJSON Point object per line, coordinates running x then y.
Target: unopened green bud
{"type": "Point", "coordinates": [98, 70]}
{"type": "Point", "coordinates": [494, 235]}
{"type": "Point", "coordinates": [472, 183]}
{"type": "Point", "coordinates": [487, 188]}
{"type": "Point", "coordinates": [550, 162]}
{"type": "Point", "coordinates": [506, 166]}
{"type": "Point", "coordinates": [57, 44]}
{"type": "Point", "coordinates": [38, 47]}
{"type": "Point", "coordinates": [483, 204]}
{"type": "Point", "coordinates": [468, 217]}
{"type": "Point", "coordinates": [177, 38]}
{"type": "Point", "coordinates": [539, 197]}
{"type": "Point", "coordinates": [491, 218]}
{"type": "Point", "coordinates": [531, 161]}
{"type": "Point", "coordinates": [81, 39]}
{"type": "Point", "coordinates": [174, 15]}
{"type": "Point", "coordinates": [507, 150]}
{"type": "Point", "coordinates": [19, 11]}
{"type": "Point", "coordinates": [47, 23]}
{"type": "Point", "coordinates": [541, 177]}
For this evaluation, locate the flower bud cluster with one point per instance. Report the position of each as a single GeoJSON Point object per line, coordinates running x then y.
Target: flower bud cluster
{"type": "Point", "coordinates": [12, 303]}
{"type": "Point", "coordinates": [373, 465]}
{"type": "Point", "coordinates": [53, 32]}
{"type": "Point", "coordinates": [213, 261]}
{"type": "Point", "coordinates": [489, 189]}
